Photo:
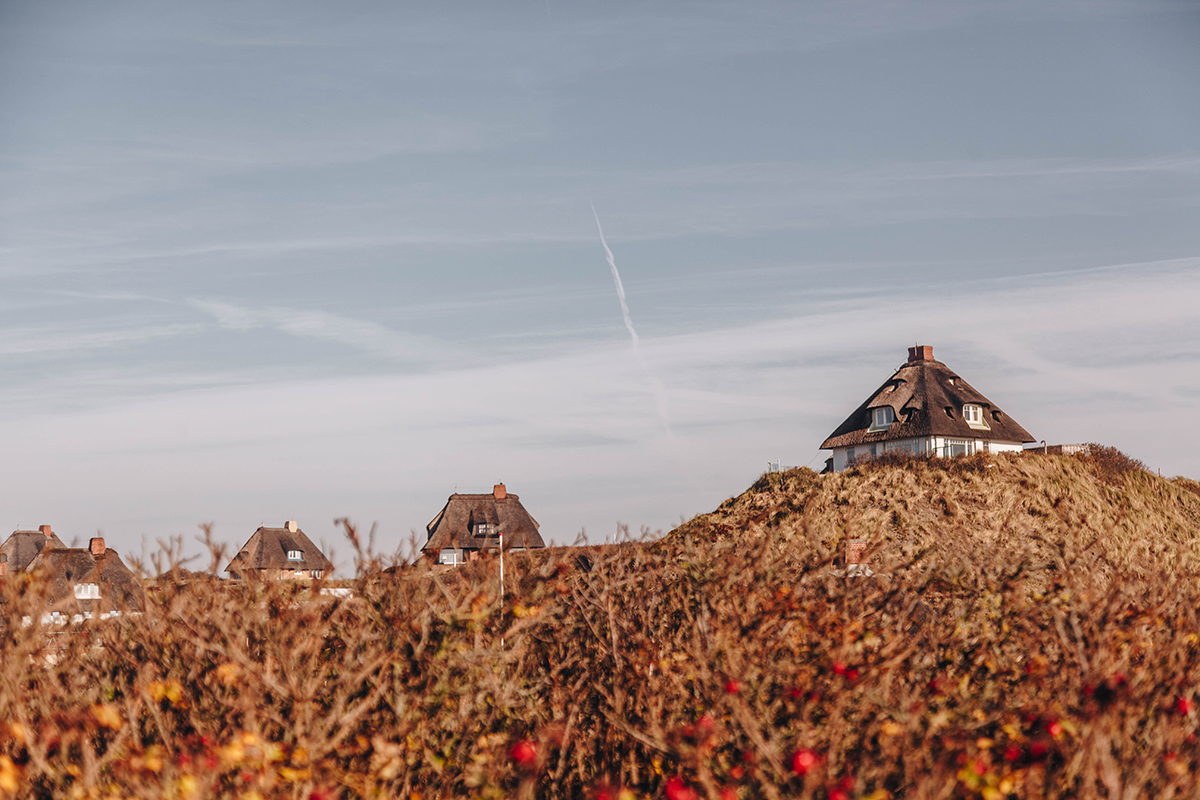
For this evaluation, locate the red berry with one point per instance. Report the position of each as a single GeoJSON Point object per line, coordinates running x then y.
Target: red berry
{"type": "Point", "coordinates": [1037, 749]}
{"type": "Point", "coordinates": [1054, 728]}
{"type": "Point", "coordinates": [851, 674]}
{"type": "Point", "coordinates": [796, 693]}
{"type": "Point", "coordinates": [1012, 753]}
{"type": "Point", "coordinates": [678, 790]}
{"type": "Point", "coordinates": [524, 752]}
{"type": "Point", "coordinates": [838, 794]}
{"type": "Point", "coordinates": [1183, 705]}
{"type": "Point", "coordinates": [839, 667]}
{"type": "Point", "coordinates": [732, 686]}
{"type": "Point", "coordinates": [728, 794]}
{"type": "Point", "coordinates": [803, 761]}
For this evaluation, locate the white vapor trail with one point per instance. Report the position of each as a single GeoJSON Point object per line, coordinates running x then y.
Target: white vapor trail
{"type": "Point", "coordinates": [660, 391]}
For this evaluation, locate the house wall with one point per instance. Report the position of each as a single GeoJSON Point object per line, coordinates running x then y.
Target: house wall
{"type": "Point", "coordinates": [934, 445]}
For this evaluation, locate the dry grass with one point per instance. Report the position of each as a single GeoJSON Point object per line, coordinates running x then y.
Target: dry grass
{"type": "Point", "coordinates": [1032, 632]}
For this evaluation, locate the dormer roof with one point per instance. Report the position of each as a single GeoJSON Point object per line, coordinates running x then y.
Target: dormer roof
{"type": "Point", "coordinates": [927, 398]}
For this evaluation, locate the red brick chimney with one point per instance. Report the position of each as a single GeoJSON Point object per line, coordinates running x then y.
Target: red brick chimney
{"type": "Point", "coordinates": [922, 352]}
{"type": "Point", "coordinates": [97, 546]}
{"type": "Point", "coordinates": [499, 492]}
{"type": "Point", "coordinates": [45, 529]}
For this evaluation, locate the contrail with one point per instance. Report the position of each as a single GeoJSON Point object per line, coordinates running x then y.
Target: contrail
{"type": "Point", "coordinates": [660, 392]}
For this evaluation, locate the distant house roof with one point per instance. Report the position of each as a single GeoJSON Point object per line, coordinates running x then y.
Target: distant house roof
{"type": "Point", "coordinates": [68, 567]}
{"type": "Point", "coordinates": [22, 547]}
{"type": "Point", "coordinates": [456, 526]}
{"type": "Point", "coordinates": [927, 398]}
{"type": "Point", "coordinates": [268, 548]}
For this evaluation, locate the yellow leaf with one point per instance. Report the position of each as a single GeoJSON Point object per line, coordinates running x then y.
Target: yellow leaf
{"type": "Point", "coordinates": [189, 786]}
{"type": "Point", "coordinates": [8, 775]}
{"type": "Point", "coordinates": [108, 715]}
{"type": "Point", "coordinates": [891, 728]}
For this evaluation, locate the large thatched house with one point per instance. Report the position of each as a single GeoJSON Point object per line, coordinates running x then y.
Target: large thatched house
{"type": "Point", "coordinates": [19, 549]}
{"type": "Point", "coordinates": [87, 582]}
{"type": "Point", "coordinates": [280, 553]}
{"type": "Point", "coordinates": [924, 408]}
{"type": "Point", "coordinates": [473, 523]}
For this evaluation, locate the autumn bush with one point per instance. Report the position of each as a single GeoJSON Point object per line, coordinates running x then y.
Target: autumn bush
{"type": "Point", "coordinates": [731, 659]}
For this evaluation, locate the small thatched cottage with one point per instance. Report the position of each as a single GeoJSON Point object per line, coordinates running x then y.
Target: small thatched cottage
{"type": "Point", "coordinates": [19, 549]}
{"type": "Point", "coordinates": [280, 553]}
{"type": "Point", "coordinates": [473, 523]}
{"type": "Point", "coordinates": [924, 408]}
{"type": "Point", "coordinates": [87, 582]}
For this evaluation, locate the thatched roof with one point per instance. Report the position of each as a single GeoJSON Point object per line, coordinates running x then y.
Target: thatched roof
{"type": "Point", "coordinates": [457, 523]}
{"type": "Point", "coordinates": [927, 398]}
{"type": "Point", "coordinates": [268, 549]}
{"type": "Point", "coordinates": [63, 568]}
{"type": "Point", "coordinates": [23, 546]}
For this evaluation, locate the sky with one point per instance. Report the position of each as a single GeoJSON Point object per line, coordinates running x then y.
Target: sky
{"type": "Point", "coordinates": [273, 261]}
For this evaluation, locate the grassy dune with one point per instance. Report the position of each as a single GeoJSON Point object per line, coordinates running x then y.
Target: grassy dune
{"type": "Point", "coordinates": [1032, 631]}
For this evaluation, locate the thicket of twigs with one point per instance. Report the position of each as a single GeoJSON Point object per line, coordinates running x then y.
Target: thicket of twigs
{"type": "Point", "coordinates": [715, 665]}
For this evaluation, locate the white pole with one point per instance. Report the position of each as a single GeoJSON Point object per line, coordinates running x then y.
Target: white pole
{"type": "Point", "coordinates": [501, 534]}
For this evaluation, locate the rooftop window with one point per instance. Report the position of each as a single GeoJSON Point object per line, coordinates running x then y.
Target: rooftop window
{"type": "Point", "coordinates": [882, 417]}
{"type": "Point", "coordinates": [295, 555]}
{"type": "Point", "coordinates": [973, 415]}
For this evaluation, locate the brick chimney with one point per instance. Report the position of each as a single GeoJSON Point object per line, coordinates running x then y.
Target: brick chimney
{"type": "Point", "coordinates": [96, 545]}
{"type": "Point", "coordinates": [45, 529]}
{"type": "Point", "coordinates": [922, 352]}
{"type": "Point", "coordinates": [290, 526]}
{"type": "Point", "coordinates": [855, 551]}
{"type": "Point", "coordinates": [499, 492]}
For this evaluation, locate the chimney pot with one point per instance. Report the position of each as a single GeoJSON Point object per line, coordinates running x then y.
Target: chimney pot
{"type": "Point", "coordinates": [922, 352]}
{"type": "Point", "coordinates": [291, 526]}
{"type": "Point", "coordinates": [499, 492]}
{"type": "Point", "coordinates": [97, 546]}
{"type": "Point", "coordinates": [45, 529]}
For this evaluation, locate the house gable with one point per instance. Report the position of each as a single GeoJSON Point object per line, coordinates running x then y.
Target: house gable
{"type": "Point", "coordinates": [459, 524]}
{"type": "Point", "coordinates": [271, 549]}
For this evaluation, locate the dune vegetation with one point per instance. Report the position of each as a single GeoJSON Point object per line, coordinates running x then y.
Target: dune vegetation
{"type": "Point", "coordinates": [1030, 629]}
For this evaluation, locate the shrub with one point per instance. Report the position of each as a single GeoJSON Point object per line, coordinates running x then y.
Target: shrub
{"type": "Point", "coordinates": [741, 666]}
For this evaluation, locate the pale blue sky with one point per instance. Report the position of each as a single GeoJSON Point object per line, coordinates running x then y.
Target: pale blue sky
{"type": "Point", "coordinates": [268, 261]}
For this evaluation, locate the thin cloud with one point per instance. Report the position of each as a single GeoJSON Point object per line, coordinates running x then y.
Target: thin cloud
{"type": "Point", "coordinates": [368, 337]}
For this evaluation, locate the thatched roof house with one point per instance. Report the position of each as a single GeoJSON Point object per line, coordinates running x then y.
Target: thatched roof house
{"type": "Point", "coordinates": [91, 581]}
{"type": "Point", "coordinates": [280, 553]}
{"type": "Point", "coordinates": [473, 523]}
{"type": "Point", "coordinates": [924, 408]}
{"type": "Point", "coordinates": [19, 549]}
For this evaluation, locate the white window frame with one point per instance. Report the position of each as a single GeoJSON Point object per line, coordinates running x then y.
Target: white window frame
{"type": "Point", "coordinates": [295, 555]}
{"type": "Point", "coordinates": [974, 417]}
{"type": "Point", "coordinates": [882, 418]}
{"type": "Point", "coordinates": [87, 591]}
{"type": "Point", "coordinates": [452, 556]}
{"type": "Point", "coordinates": [484, 529]}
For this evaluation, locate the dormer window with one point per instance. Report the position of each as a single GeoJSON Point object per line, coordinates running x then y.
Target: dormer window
{"type": "Point", "coordinates": [483, 529]}
{"type": "Point", "coordinates": [882, 417]}
{"type": "Point", "coordinates": [87, 591]}
{"type": "Point", "coordinates": [295, 555]}
{"type": "Point", "coordinates": [973, 415]}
